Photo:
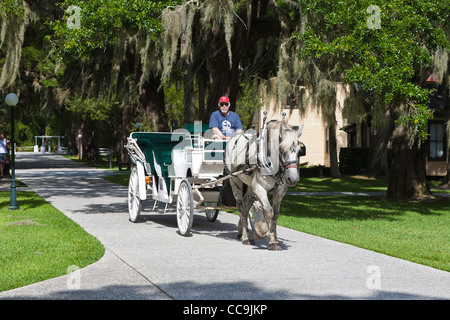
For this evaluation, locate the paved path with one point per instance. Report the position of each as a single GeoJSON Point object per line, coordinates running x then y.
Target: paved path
{"type": "Point", "coordinates": [150, 260]}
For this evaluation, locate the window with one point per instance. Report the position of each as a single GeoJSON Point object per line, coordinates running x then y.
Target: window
{"type": "Point", "coordinates": [351, 140]}
{"type": "Point", "coordinates": [350, 129]}
{"type": "Point", "coordinates": [437, 151]}
{"type": "Point", "coordinates": [364, 139]}
{"type": "Point", "coordinates": [291, 102]}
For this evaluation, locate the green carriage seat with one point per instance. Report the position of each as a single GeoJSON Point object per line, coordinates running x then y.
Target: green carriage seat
{"type": "Point", "coordinates": [146, 148]}
{"type": "Point", "coordinates": [158, 146]}
{"type": "Point", "coordinates": [193, 127]}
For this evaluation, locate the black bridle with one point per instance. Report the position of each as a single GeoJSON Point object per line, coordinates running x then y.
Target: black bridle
{"type": "Point", "coordinates": [287, 164]}
{"type": "Point", "coordinates": [291, 163]}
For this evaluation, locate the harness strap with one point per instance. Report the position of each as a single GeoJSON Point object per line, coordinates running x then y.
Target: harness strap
{"type": "Point", "coordinates": [247, 156]}
{"type": "Point", "coordinates": [290, 164]}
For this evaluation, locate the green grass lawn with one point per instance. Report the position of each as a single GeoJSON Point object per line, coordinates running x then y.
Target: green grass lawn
{"type": "Point", "coordinates": [38, 242]}
{"type": "Point", "coordinates": [351, 184]}
{"type": "Point", "coordinates": [348, 184]}
{"type": "Point", "coordinates": [414, 231]}
{"type": "Point", "coordinates": [102, 163]}
{"type": "Point", "coordinates": [120, 178]}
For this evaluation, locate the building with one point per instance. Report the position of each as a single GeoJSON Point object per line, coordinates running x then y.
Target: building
{"type": "Point", "coordinates": [438, 148]}
{"type": "Point", "coordinates": [348, 134]}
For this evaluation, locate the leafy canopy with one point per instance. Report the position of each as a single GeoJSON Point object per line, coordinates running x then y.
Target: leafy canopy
{"type": "Point", "coordinates": [11, 7]}
{"type": "Point", "coordinates": [102, 20]}
{"type": "Point", "coordinates": [385, 58]}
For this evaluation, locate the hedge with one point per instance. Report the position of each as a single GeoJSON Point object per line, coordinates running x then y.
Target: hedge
{"type": "Point", "coordinates": [353, 160]}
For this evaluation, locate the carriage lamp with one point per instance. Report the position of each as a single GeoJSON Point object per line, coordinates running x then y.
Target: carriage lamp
{"type": "Point", "coordinates": [11, 100]}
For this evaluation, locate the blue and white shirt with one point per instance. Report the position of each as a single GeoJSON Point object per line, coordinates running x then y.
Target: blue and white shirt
{"type": "Point", "coordinates": [228, 125]}
{"type": "Point", "coordinates": [3, 148]}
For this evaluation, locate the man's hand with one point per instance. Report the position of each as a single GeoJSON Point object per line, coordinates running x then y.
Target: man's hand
{"type": "Point", "coordinates": [219, 133]}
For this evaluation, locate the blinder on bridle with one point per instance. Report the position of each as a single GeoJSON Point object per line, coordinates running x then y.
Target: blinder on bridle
{"type": "Point", "coordinates": [293, 163]}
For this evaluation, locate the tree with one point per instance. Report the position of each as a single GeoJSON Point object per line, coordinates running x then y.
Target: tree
{"type": "Point", "coordinates": [222, 44]}
{"type": "Point", "coordinates": [446, 86]}
{"type": "Point", "coordinates": [27, 68]}
{"type": "Point", "coordinates": [115, 46]}
{"type": "Point", "coordinates": [386, 47]}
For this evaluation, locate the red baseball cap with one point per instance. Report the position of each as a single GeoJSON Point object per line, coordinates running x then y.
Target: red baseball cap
{"type": "Point", "coordinates": [224, 99]}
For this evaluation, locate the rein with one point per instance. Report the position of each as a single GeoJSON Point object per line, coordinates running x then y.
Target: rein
{"type": "Point", "coordinates": [288, 164]}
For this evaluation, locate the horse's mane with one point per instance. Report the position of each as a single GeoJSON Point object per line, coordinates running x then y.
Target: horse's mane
{"type": "Point", "coordinates": [287, 139]}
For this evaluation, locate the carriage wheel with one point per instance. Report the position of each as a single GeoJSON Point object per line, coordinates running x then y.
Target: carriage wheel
{"type": "Point", "coordinates": [185, 208]}
{"type": "Point", "coordinates": [257, 220]}
{"type": "Point", "coordinates": [134, 202]}
{"type": "Point", "coordinates": [211, 214]}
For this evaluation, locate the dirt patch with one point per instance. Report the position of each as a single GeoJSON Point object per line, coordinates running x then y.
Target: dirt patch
{"type": "Point", "coordinates": [26, 222]}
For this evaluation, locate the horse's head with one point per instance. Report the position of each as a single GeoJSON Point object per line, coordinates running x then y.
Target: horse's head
{"type": "Point", "coordinates": [290, 147]}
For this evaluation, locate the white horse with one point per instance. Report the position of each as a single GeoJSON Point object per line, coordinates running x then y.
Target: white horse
{"type": "Point", "coordinates": [275, 154]}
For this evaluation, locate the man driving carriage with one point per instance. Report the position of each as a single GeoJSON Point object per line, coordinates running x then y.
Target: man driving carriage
{"type": "Point", "coordinates": [225, 123]}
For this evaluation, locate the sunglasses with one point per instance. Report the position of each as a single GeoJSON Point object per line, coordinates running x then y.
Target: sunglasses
{"type": "Point", "coordinates": [222, 104]}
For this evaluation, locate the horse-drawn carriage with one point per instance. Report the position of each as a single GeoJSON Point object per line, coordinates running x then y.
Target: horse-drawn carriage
{"type": "Point", "coordinates": [187, 168]}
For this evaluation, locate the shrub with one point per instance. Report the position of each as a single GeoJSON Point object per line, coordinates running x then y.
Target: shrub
{"type": "Point", "coordinates": [353, 160]}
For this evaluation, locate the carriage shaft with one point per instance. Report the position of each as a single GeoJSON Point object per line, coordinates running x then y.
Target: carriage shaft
{"type": "Point", "coordinates": [217, 207]}
{"type": "Point", "coordinates": [226, 177]}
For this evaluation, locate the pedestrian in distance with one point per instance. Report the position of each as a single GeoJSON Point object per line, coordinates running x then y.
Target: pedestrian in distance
{"type": "Point", "coordinates": [4, 153]}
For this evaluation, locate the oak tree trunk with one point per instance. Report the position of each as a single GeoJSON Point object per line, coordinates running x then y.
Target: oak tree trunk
{"type": "Point", "coordinates": [201, 84]}
{"type": "Point", "coordinates": [446, 180]}
{"type": "Point", "coordinates": [127, 113]}
{"type": "Point", "coordinates": [189, 98]}
{"type": "Point", "coordinates": [334, 164]}
{"type": "Point", "coordinates": [446, 85]}
{"type": "Point", "coordinates": [407, 174]}
{"type": "Point", "coordinates": [379, 140]}
{"type": "Point", "coordinates": [225, 78]}
{"type": "Point", "coordinates": [152, 99]}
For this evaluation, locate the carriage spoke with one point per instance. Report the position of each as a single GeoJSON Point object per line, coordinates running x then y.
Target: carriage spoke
{"type": "Point", "coordinates": [184, 208]}
{"type": "Point", "coordinates": [181, 203]}
{"type": "Point", "coordinates": [134, 201]}
{"type": "Point", "coordinates": [186, 217]}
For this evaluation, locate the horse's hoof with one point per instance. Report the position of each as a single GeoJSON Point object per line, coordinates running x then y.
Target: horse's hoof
{"type": "Point", "coordinates": [239, 236]}
{"type": "Point", "coordinates": [248, 242]}
{"type": "Point", "coordinates": [275, 247]}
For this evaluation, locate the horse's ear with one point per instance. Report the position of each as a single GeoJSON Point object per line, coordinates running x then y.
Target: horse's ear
{"type": "Point", "coordinates": [300, 131]}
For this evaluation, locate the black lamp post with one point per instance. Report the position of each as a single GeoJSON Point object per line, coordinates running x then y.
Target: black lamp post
{"type": "Point", "coordinates": [11, 100]}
